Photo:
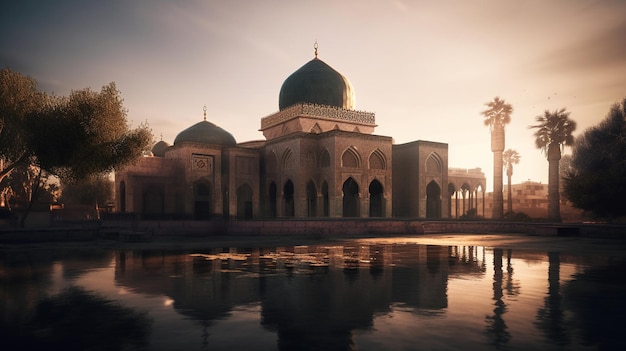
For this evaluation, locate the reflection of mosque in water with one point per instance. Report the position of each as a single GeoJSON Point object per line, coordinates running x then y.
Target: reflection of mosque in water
{"type": "Point", "coordinates": [309, 295]}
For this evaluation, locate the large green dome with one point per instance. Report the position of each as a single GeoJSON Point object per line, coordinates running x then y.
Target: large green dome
{"type": "Point", "coordinates": [205, 132]}
{"type": "Point", "coordinates": [316, 83]}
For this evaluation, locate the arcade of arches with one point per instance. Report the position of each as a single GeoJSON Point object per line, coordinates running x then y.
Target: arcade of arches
{"type": "Point", "coordinates": [319, 158]}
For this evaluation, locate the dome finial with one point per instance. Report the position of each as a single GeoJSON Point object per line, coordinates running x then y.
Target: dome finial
{"type": "Point", "coordinates": [204, 109]}
{"type": "Point", "coordinates": [315, 47]}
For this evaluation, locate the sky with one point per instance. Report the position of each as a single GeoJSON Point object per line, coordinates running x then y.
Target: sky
{"type": "Point", "coordinates": [425, 68]}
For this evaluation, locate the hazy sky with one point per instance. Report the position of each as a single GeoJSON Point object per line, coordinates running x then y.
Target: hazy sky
{"type": "Point", "coordinates": [425, 68]}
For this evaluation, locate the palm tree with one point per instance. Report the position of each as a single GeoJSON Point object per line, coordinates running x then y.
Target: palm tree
{"type": "Point", "coordinates": [510, 158]}
{"type": "Point", "coordinates": [554, 131]}
{"type": "Point", "coordinates": [496, 116]}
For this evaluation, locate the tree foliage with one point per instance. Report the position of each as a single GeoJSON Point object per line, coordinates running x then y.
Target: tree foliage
{"type": "Point", "coordinates": [596, 181]}
{"type": "Point", "coordinates": [498, 112]}
{"type": "Point", "coordinates": [96, 189]}
{"type": "Point", "coordinates": [19, 100]}
{"type": "Point", "coordinates": [554, 128]}
{"type": "Point", "coordinates": [70, 137]}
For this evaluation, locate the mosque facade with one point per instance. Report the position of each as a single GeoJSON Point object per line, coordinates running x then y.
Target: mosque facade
{"type": "Point", "coordinates": [320, 158]}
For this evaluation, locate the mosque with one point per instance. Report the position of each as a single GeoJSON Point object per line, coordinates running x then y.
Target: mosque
{"type": "Point", "coordinates": [320, 158]}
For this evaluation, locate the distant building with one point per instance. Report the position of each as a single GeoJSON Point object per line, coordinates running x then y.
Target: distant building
{"type": "Point", "coordinates": [320, 158]}
{"type": "Point", "coordinates": [531, 198]}
{"type": "Point", "coordinates": [467, 192]}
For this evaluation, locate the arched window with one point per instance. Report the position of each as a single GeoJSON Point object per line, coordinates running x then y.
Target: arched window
{"type": "Point", "coordinates": [377, 160]}
{"type": "Point", "coordinates": [288, 159]}
{"type": "Point", "coordinates": [351, 198]}
{"type": "Point", "coordinates": [434, 164]}
{"type": "Point", "coordinates": [350, 158]}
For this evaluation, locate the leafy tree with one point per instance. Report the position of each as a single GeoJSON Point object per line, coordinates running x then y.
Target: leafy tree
{"type": "Point", "coordinates": [70, 137]}
{"type": "Point", "coordinates": [596, 180]}
{"type": "Point", "coordinates": [510, 158]}
{"type": "Point", "coordinates": [553, 132]}
{"type": "Point", "coordinates": [497, 115]}
{"type": "Point", "coordinates": [73, 137]}
{"type": "Point", "coordinates": [97, 189]}
{"type": "Point", "coordinates": [19, 99]}
{"type": "Point", "coordinates": [86, 133]}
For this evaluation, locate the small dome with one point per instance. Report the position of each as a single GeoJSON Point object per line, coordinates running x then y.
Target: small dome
{"type": "Point", "coordinates": [316, 83]}
{"type": "Point", "coordinates": [206, 133]}
{"type": "Point", "coordinates": [159, 148]}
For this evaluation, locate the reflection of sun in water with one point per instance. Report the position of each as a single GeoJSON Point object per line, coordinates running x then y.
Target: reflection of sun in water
{"type": "Point", "coordinates": [167, 302]}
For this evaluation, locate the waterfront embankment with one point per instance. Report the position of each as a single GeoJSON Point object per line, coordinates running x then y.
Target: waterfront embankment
{"type": "Point", "coordinates": [146, 230]}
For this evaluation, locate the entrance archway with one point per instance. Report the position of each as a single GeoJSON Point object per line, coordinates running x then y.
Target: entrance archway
{"type": "Point", "coordinates": [376, 199]}
{"type": "Point", "coordinates": [433, 200]}
{"type": "Point", "coordinates": [350, 198]}
{"type": "Point", "coordinates": [202, 200]}
{"type": "Point", "coordinates": [244, 202]}
{"type": "Point", "coordinates": [311, 199]}
{"type": "Point", "coordinates": [288, 199]}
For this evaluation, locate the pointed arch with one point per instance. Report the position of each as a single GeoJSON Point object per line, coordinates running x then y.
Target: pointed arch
{"type": "Point", "coordinates": [433, 200]}
{"type": "Point", "coordinates": [288, 199]}
{"type": "Point", "coordinates": [377, 204]}
{"type": "Point", "coordinates": [434, 163]}
{"type": "Point", "coordinates": [377, 160]}
{"type": "Point", "coordinates": [350, 158]}
{"type": "Point", "coordinates": [351, 198]}
{"type": "Point", "coordinates": [288, 159]}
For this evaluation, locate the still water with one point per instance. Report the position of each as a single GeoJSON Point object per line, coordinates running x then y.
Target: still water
{"type": "Point", "coordinates": [358, 294]}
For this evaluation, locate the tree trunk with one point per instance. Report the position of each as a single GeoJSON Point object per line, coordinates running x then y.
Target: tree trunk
{"type": "Point", "coordinates": [509, 173]}
{"type": "Point", "coordinates": [497, 146]}
{"type": "Point", "coordinates": [33, 196]}
{"type": "Point", "coordinates": [554, 197]}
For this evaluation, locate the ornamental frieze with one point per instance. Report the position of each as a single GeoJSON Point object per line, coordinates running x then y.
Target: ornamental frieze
{"type": "Point", "coordinates": [314, 110]}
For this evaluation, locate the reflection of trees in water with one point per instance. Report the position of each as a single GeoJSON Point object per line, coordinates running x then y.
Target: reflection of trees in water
{"type": "Point", "coordinates": [550, 317]}
{"type": "Point", "coordinates": [496, 326]}
{"type": "Point", "coordinates": [78, 320]}
{"type": "Point", "coordinates": [597, 298]}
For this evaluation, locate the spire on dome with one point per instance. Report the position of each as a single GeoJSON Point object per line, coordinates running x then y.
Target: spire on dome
{"type": "Point", "coordinates": [315, 47]}
{"type": "Point", "coordinates": [204, 109]}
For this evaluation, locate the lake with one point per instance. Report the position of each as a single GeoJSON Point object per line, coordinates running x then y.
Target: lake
{"type": "Point", "coordinates": [458, 292]}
